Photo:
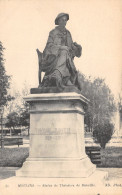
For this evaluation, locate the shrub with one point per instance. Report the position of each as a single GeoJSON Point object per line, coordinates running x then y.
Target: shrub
{"type": "Point", "coordinates": [102, 133]}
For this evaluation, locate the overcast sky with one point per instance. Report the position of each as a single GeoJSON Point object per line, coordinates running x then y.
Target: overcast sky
{"type": "Point", "coordinates": [95, 24]}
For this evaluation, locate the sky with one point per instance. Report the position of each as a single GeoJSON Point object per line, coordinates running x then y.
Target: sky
{"type": "Point", "coordinates": [94, 24]}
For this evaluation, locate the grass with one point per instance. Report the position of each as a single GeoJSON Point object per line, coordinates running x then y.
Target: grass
{"type": "Point", "coordinates": [14, 157]}
{"type": "Point", "coordinates": [111, 157]}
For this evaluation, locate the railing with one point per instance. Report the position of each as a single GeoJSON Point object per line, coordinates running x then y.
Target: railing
{"type": "Point", "coordinates": [9, 141]}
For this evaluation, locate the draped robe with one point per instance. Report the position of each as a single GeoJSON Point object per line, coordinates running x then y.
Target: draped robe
{"type": "Point", "coordinates": [62, 69]}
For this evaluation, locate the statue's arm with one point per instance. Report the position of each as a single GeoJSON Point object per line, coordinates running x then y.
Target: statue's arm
{"type": "Point", "coordinates": [50, 41]}
{"type": "Point", "coordinates": [76, 49]}
{"type": "Point", "coordinates": [51, 46]}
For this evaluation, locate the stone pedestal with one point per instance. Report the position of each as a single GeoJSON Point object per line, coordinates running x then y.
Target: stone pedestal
{"type": "Point", "coordinates": [56, 137]}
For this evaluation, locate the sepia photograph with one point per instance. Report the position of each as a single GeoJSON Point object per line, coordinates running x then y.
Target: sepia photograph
{"type": "Point", "coordinates": [61, 97]}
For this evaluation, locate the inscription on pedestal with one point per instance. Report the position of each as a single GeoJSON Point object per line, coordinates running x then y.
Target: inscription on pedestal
{"type": "Point", "coordinates": [53, 131]}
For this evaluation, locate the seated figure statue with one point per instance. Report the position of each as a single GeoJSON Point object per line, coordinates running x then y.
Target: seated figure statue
{"type": "Point", "coordinates": [57, 58]}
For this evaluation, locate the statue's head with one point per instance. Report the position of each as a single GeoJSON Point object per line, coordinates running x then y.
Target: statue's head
{"type": "Point", "coordinates": [62, 19]}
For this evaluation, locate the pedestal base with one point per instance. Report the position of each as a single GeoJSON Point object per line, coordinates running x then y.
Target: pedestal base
{"type": "Point", "coordinates": [56, 168]}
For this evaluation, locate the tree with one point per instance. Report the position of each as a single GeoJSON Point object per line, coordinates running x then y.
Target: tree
{"type": "Point", "coordinates": [102, 133]}
{"type": "Point", "coordinates": [13, 120]}
{"type": "Point", "coordinates": [25, 115]}
{"type": "Point", "coordinates": [120, 102]}
{"type": "Point", "coordinates": [4, 80]}
{"type": "Point", "coordinates": [19, 106]}
{"type": "Point", "coordinates": [15, 105]}
{"type": "Point", "coordinates": [102, 104]}
{"type": "Point", "coordinates": [100, 109]}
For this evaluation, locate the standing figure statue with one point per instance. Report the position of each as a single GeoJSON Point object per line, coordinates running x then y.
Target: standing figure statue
{"type": "Point", "coordinates": [57, 58]}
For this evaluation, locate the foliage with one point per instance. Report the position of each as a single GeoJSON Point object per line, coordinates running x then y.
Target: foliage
{"type": "Point", "coordinates": [99, 112]}
{"type": "Point", "coordinates": [4, 80]}
{"type": "Point", "coordinates": [102, 105]}
{"type": "Point", "coordinates": [25, 116]}
{"type": "Point", "coordinates": [111, 157]}
{"type": "Point", "coordinates": [13, 120]}
{"type": "Point", "coordinates": [120, 102]}
{"type": "Point", "coordinates": [13, 157]}
{"type": "Point", "coordinates": [20, 107]}
{"type": "Point", "coordinates": [102, 133]}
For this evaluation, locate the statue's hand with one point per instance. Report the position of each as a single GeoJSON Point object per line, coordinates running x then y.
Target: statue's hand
{"type": "Point", "coordinates": [77, 49]}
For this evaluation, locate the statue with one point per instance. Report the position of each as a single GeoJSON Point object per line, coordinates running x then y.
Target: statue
{"type": "Point", "coordinates": [57, 58]}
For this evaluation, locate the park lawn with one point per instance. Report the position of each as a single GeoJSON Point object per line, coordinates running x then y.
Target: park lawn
{"type": "Point", "coordinates": [14, 157]}
{"type": "Point", "coordinates": [111, 157]}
